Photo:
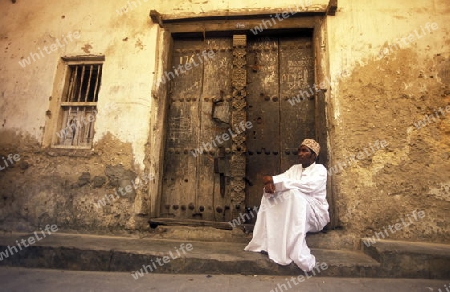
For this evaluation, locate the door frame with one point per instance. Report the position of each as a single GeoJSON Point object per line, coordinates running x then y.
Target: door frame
{"type": "Point", "coordinates": [220, 25]}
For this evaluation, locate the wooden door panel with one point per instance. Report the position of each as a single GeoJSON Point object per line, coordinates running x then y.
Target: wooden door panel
{"type": "Point", "coordinates": [212, 185]}
{"type": "Point", "coordinates": [297, 75]}
{"type": "Point", "coordinates": [263, 111]}
{"type": "Point", "coordinates": [180, 179]}
{"type": "Point", "coordinates": [192, 189]}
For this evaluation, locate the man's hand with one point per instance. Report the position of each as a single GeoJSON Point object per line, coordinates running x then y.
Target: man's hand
{"type": "Point", "coordinates": [267, 179]}
{"type": "Point", "coordinates": [269, 186]}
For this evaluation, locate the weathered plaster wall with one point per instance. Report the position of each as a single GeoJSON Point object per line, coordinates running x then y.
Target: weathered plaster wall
{"type": "Point", "coordinates": [47, 188]}
{"type": "Point", "coordinates": [127, 41]}
{"type": "Point", "coordinates": [379, 91]}
{"type": "Point", "coordinates": [373, 97]}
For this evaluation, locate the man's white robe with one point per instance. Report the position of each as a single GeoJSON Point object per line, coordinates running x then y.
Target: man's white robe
{"type": "Point", "coordinates": [298, 206]}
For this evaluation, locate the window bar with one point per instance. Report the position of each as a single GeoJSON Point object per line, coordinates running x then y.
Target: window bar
{"type": "Point", "coordinates": [62, 128]}
{"type": "Point", "coordinates": [82, 129]}
{"type": "Point", "coordinates": [69, 133]}
{"type": "Point", "coordinates": [89, 131]}
{"type": "Point", "coordinates": [89, 83]}
{"type": "Point", "coordinates": [67, 126]}
{"type": "Point", "coordinates": [96, 83]}
{"type": "Point", "coordinates": [70, 86]}
{"type": "Point", "coordinates": [76, 137]}
{"type": "Point", "coordinates": [73, 75]}
{"type": "Point", "coordinates": [81, 82]}
{"type": "Point", "coordinates": [75, 85]}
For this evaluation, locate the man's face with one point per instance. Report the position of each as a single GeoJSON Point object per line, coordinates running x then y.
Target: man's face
{"type": "Point", "coordinates": [305, 155]}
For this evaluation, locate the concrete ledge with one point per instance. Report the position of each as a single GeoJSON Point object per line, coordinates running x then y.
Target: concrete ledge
{"type": "Point", "coordinates": [106, 253]}
{"type": "Point", "coordinates": [403, 259]}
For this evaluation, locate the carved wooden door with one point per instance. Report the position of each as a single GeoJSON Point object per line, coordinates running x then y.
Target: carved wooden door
{"type": "Point", "coordinates": [252, 81]}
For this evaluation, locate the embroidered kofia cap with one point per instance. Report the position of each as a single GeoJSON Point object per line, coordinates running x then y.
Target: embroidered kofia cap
{"type": "Point", "coordinates": [312, 144]}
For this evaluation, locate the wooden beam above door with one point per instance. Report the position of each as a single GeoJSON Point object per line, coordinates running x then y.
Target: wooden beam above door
{"type": "Point", "coordinates": [235, 25]}
{"type": "Point", "coordinates": [299, 10]}
{"type": "Point", "coordinates": [244, 19]}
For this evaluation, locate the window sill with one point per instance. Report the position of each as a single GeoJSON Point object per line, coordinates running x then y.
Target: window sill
{"type": "Point", "coordinates": [77, 151]}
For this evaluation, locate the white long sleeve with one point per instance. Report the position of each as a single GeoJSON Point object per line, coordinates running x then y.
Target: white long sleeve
{"type": "Point", "coordinates": [310, 181]}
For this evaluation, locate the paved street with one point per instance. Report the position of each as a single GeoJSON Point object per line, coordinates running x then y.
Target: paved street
{"type": "Point", "coordinates": [22, 279]}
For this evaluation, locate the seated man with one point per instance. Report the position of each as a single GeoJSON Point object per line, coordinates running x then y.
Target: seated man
{"type": "Point", "coordinates": [293, 204]}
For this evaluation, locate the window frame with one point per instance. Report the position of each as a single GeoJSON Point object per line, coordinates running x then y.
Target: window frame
{"type": "Point", "coordinates": [88, 107]}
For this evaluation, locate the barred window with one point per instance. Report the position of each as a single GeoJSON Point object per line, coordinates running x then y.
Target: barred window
{"type": "Point", "coordinates": [78, 107]}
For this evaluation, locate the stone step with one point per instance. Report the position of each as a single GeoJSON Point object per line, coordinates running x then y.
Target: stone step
{"type": "Point", "coordinates": [113, 253]}
{"type": "Point", "coordinates": [410, 259]}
